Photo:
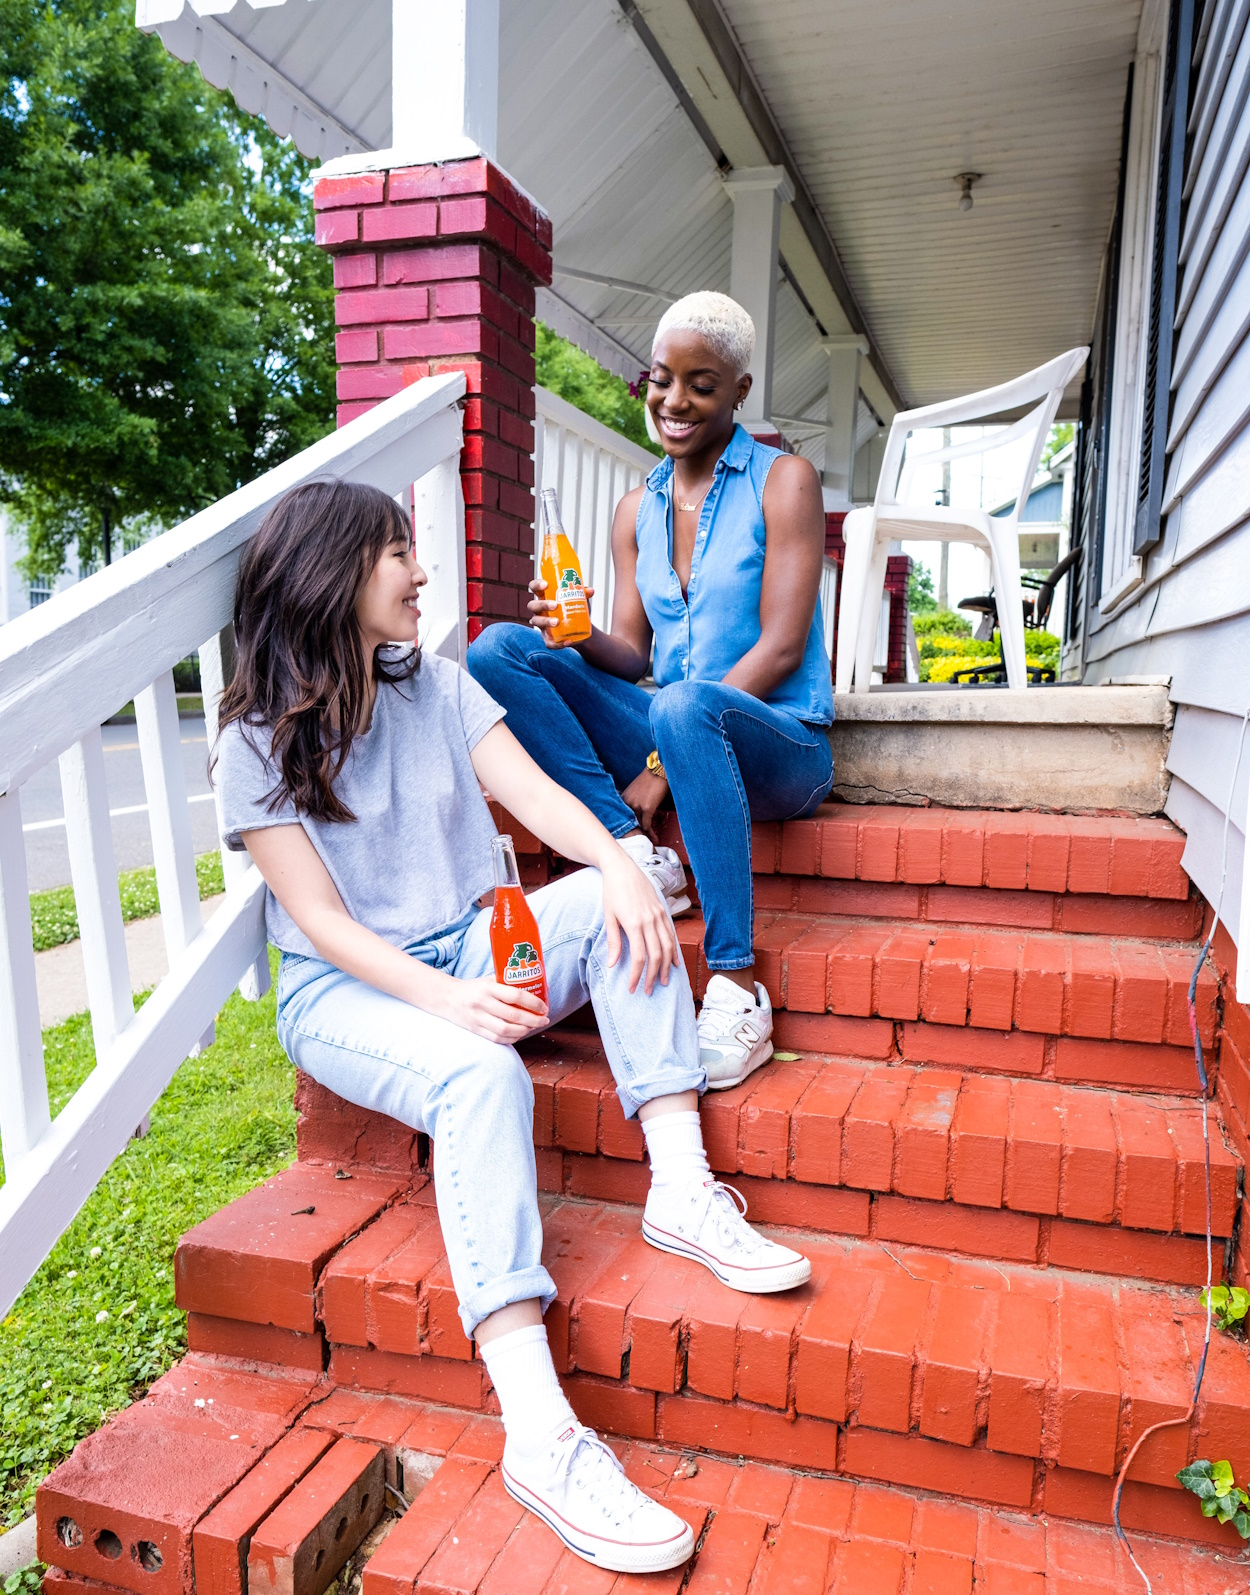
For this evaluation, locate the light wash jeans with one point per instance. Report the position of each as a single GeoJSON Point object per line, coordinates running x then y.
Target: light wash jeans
{"type": "Point", "coordinates": [473, 1097]}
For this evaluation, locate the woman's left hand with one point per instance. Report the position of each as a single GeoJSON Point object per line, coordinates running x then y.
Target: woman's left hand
{"type": "Point", "coordinates": [644, 794]}
{"type": "Point", "coordinates": [632, 907]}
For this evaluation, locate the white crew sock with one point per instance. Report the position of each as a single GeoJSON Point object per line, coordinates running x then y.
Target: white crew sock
{"type": "Point", "coordinates": [675, 1147]}
{"type": "Point", "coordinates": [524, 1378]}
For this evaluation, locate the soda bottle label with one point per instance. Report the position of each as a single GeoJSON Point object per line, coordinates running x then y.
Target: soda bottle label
{"type": "Point", "coordinates": [523, 966]}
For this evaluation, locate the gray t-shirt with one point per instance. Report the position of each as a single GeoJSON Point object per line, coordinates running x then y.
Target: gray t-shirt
{"type": "Point", "coordinates": [417, 857]}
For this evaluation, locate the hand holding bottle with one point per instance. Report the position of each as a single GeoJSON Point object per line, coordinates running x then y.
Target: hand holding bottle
{"type": "Point", "coordinates": [562, 613]}
{"type": "Point", "coordinates": [545, 614]}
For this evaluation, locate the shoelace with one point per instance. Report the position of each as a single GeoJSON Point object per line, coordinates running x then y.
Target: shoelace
{"type": "Point", "coordinates": [714, 1023]}
{"type": "Point", "coordinates": [730, 1219]}
{"type": "Point", "coordinates": [600, 1477]}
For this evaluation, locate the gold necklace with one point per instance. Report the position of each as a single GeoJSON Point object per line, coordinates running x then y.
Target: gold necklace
{"type": "Point", "coordinates": [697, 502]}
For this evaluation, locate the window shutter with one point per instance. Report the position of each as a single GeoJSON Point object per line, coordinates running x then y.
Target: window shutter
{"type": "Point", "coordinates": [1163, 267]}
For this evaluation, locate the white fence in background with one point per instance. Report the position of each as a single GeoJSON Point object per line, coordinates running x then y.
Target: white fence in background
{"type": "Point", "coordinates": [64, 669]}
{"type": "Point", "coordinates": [591, 468]}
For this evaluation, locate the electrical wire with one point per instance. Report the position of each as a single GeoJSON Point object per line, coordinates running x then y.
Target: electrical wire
{"type": "Point", "coordinates": [1172, 1423]}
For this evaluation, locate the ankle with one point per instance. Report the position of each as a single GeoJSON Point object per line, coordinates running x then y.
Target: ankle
{"type": "Point", "coordinates": [675, 1147]}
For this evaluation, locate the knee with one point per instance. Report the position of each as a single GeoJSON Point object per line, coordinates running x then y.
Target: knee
{"type": "Point", "coordinates": [496, 648]}
{"type": "Point", "coordinates": [679, 709]}
{"type": "Point", "coordinates": [493, 1078]}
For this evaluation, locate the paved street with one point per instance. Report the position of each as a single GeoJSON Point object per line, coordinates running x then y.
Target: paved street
{"type": "Point", "coordinates": [47, 858]}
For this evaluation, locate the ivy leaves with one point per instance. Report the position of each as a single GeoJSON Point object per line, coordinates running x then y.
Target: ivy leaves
{"type": "Point", "coordinates": [1229, 1305]}
{"type": "Point", "coordinates": [1221, 1497]}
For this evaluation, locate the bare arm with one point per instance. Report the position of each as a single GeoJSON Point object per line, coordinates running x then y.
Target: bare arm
{"type": "Point", "coordinates": [794, 529]}
{"type": "Point", "coordinates": [296, 876]}
{"type": "Point", "coordinates": [625, 650]}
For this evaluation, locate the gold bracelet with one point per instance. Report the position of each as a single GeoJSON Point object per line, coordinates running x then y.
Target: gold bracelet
{"type": "Point", "coordinates": [654, 765]}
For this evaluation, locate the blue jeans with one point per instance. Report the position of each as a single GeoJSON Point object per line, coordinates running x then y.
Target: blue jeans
{"type": "Point", "coordinates": [473, 1097]}
{"type": "Point", "coordinates": [729, 757]}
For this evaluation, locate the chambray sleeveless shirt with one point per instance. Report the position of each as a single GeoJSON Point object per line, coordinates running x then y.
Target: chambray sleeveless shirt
{"type": "Point", "coordinates": [702, 636]}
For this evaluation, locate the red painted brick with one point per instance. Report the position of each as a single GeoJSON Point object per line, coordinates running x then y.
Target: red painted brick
{"type": "Point", "coordinates": [886, 1353]}
{"type": "Point", "coordinates": [896, 986]}
{"type": "Point", "coordinates": [1049, 845]}
{"type": "Point", "coordinates": [1006, 851]}
{"type": "Point", "coordinates": [785, 1202]}
{"type": "Point", "coordinates": [816, 1124]}
{"type": "Point", "coordinates": [944, 994]}
{"type": "Point", "coordinates": [444, 1332]}
{"type": "Point", "coordinates": [337, 228]}
{"type": "Point", "coordinates": [864, 899]}
{"type": "Point", "coordinates": [800, 847]}
{"type": "Point", "coordinates": [1039, 997]}
{"type": "Point", "coordinates": [920, 846]}
{"type": "Point", "coordinates": [823, 1504]}
{"type": "Point", "coordinates": [526, 1562]}
{"type": "Point", "coordinates": [839, 845]}
{"type": "Point", "coordinates": [933, 1465]}
{"type": "Point", "coordinates": [1178, 965]}
{"type": "Point", "coordinates": [1185, 1128]}
{"type": "Point", "coordinates": [601, 1179]}
{"type": "Point", "coordinates": [602, 1311]}
{"type": "Point", "coordinates": [737, 1430]}
{"type": "Point", "coordinates": [999, 1052]}
{"type": "Point", "coordinates": [1089, 861]}
{"type": "Point", "coordinates": [1088, 1400]}
{"type": "Point", "coordinates": [1125, 1063]}
{"type": "Point", "coordinates": [797, 1562]}
{"type": "Point", "coordinates": [944, 1526]}
{"type": "Point", "coordinates": [306, 1539]}
{"type": "Point", "coordinates": [1159, 1382]}
{"type": "Point", "coordinates": [1140, 993]}
{"type": "Point", "coordinates": [439, 263]}
{"type": "Point", "coordinates": [712, 1314]}
{"type": "Point", "coordinates": [1107, 1249]}
{"type": "Point", "coordinates": [979, 1142]}
{"type": "Point", "coordinates": [807, 967]}
{"type": "Point", "coordinates": [369, 382]}
{"type": "Point", "coordinates": [728, 1555]}
{"type": "Point", "coordinates": [479, 1535]}
{"type": "Point", "coordinates": [227, 1337]}
{"type": "Point", "coordinates": [382, 305]}
{"type": "Point", "coordinates": [951, 1363]}
{"type": "Point", "coordinates": [397, 1563]}
{"type": "Point", "coordinates": [922, 1135]}
{"type": "Point", "coordinates": [258, 1259]}
{"type": "Point", "coordinates": [655, 1318]}
{"type": "Point", "coordinates": [1088, 1170]}
{"type": "Point", "coordinates": [1128, 916]}
{"type": "Point", "coordinates": [1019, 1369]}
{"type": "Point", "coordinates": [764, 1120]}
{"type": "Point", "coordinates": [766, 1328]}
{"type": "Point", "coordinates": [1142, 1507]}
{"type": "Point", "coordinates": [1035, 1148]}
{"type": "Point", "coordinates": [771, 941]}
{"type": "Point", "coordinates": [355, 346]}
{"type": "Point", "coordinates": [977, 1231]}
{"type": "Point", "coordinates": [719, 1113]}
{"type": "Point", "coordinates": [363, 188]}
{"type": "Point", "coordinates": [393, 1306]}
{"type": "Point", "coordinates": [861, 1038]}
{"type": "Point", "coordinates": [878, 846]}
{"type": "Point", "coordinates": [221, 1539]}
{"type": "Point", "coordinates": [457, 1384]}
{"type": "Point", "coordinates": [938, 1573]}
{"type": "Point", "coordinates": [400, 224]}
{"type": "Point", "coordinates": [577, 1107]}
{"type": "Point", "coordinates": [1148, 1164]}
{"type": "Point", "coordinates": [430, 338]}
{"type": "Point", "coordinates": [868, 1129]}
{"type": "Point", "coordinates": [1091, 988]}
{"type": "Point", "coordinates": [865, 1567]}
{"type": "Point", "coordinates": [851, 968]}
{"type": "Point", "coordinates": [992, 981]}
{"type": "Point", "coordinates": [968, 905]}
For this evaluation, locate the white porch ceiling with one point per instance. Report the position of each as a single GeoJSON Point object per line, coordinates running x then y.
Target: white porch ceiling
{"type": "Point", "coordinates": [880, 106]}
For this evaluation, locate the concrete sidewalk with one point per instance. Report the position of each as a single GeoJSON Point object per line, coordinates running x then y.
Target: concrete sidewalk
{"type": "Point", "coordinates": [62, 981]}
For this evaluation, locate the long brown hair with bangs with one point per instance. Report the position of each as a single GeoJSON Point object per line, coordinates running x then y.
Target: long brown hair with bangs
{"type": "Point", "coordinates": [300, 666]}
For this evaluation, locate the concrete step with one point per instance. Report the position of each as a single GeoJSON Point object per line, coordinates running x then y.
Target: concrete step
{"type": "Point", "coordinates": [757, 1527]}
{"type": "Point", "coordinates": [1019, 1170]}
{"type": "Point", "coordinates": [1000, 1383]}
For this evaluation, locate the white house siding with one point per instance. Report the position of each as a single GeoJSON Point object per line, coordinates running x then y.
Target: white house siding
{"type": "Point", "coordinates": [1190, 616]}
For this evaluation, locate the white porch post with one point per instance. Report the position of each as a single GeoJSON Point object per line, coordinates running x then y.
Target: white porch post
{"type": "Point", "coordinates": [444, 79]}
{"type": "Point", "coordinates": [758, 193]}
{"type": "Point", "coordinates": [845, 353]}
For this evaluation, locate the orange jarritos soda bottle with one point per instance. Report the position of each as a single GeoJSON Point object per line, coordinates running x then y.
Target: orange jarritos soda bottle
{"type": "Point", "coordinates": [514, 939]}
{"type": "Point", "coordinates": [558, 566]}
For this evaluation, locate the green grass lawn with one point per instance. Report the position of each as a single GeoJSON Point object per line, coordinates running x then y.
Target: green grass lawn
{"type": "Point", "coordinates": [98, 1323]}
{"type": "Point", "coordinates": [54, 916]}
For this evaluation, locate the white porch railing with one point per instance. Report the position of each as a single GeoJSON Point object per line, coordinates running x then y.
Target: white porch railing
{"type": "Point", "coordinates": [590, 467]}
{"type": "Point", "coordinates": [64, 669]}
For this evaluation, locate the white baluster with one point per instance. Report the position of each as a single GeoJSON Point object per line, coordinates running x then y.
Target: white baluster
{"type": "Point", "coordinates": [24, 1117]}
{"type": "Point", "coordinates": [173, 851]}
{"type": "Point", "coordinates": [438, 523]}
{"type": "Point", "coordinates": [216, 669]}
{"type": "Point", "coordinates": [93, 868]}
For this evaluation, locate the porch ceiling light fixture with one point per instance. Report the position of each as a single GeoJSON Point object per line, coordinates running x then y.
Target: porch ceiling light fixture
{"type": "Point", "coordinates": [965, 181]}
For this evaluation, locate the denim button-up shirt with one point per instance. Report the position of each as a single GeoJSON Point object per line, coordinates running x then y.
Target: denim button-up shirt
{"type": "Point", "coordinates": [702, 636]}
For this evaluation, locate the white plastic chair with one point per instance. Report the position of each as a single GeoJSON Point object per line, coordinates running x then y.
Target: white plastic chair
{"type": "Point", "coordinates": [869, 531]}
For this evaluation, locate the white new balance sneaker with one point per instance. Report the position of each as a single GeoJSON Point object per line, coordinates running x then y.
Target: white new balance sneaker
{"type": "Point", "coordinates": [735, 1034]}
{"type": "Point", "coordinates": [664, 868]}
{"type": "Point", "coordinates": [579, 1489]}
{"type": "Point", "coordinates": [702, 1220]}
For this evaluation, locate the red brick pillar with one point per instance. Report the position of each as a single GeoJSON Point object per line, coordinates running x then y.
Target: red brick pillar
{"type": "Point", "coordinates": [897, 576]}
{"type": "Point", "coordinates": [435, 268]}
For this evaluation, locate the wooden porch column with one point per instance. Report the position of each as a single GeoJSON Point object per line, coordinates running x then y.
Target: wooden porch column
{"type": "Point", "coordinates": [845, 353]}
{"type": "Point", "coordinates": [758, 193]}
{"type": "Point", "coordinates": [436, 254]}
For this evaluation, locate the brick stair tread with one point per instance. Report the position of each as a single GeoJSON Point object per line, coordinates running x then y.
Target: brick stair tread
{"type": "Point", "coordinates": [1034, 1146]}
{"type": "Point", "coordinates": [983, 977]}
{"type": "Point", "coordinates": [1081, 855]}
{"type": "Point", "coordinates": [997, 1363]}
{"type": "Point", "coordinates": [759, 1527]}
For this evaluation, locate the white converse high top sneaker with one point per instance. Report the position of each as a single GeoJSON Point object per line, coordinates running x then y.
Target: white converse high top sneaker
{"type": "Point", "coordinates": [702, 1220]}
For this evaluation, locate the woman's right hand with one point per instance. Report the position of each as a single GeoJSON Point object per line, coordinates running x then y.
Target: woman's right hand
{"type": "Point", "coordinates": [543, 613]}
{"type": "Point", "coordinates": [494, 1012]}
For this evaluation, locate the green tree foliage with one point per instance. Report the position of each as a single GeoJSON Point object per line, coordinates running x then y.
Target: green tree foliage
{"type": "Point", "coordinates": [566, 370]}
{"type": "Point", "coordinates": [920, 596]}
{"type": "Point", "coordinates": [166, 322]}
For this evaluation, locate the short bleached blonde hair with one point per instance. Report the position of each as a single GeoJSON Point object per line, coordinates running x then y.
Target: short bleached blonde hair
{"type": "Point", "coordinates": [719, 320]}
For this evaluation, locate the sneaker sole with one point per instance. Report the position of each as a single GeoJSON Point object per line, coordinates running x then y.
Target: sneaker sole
{"type": "Point", "coordinates": [756, 1058]}
{"type": "Point", "coordinates": [677, 905]}
{"type": "Point", "coordinates": [747, 1281]}
{"type": "Point", "coordinates": [613, 1555]}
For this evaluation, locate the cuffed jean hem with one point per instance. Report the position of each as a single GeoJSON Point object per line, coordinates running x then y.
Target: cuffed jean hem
{"type": "Point", "coordinates": [527, 1284]}
{"type": "Point", "coordinates": [717, 965]}
{"type": "Point", "coordinates": [670, 1085]}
